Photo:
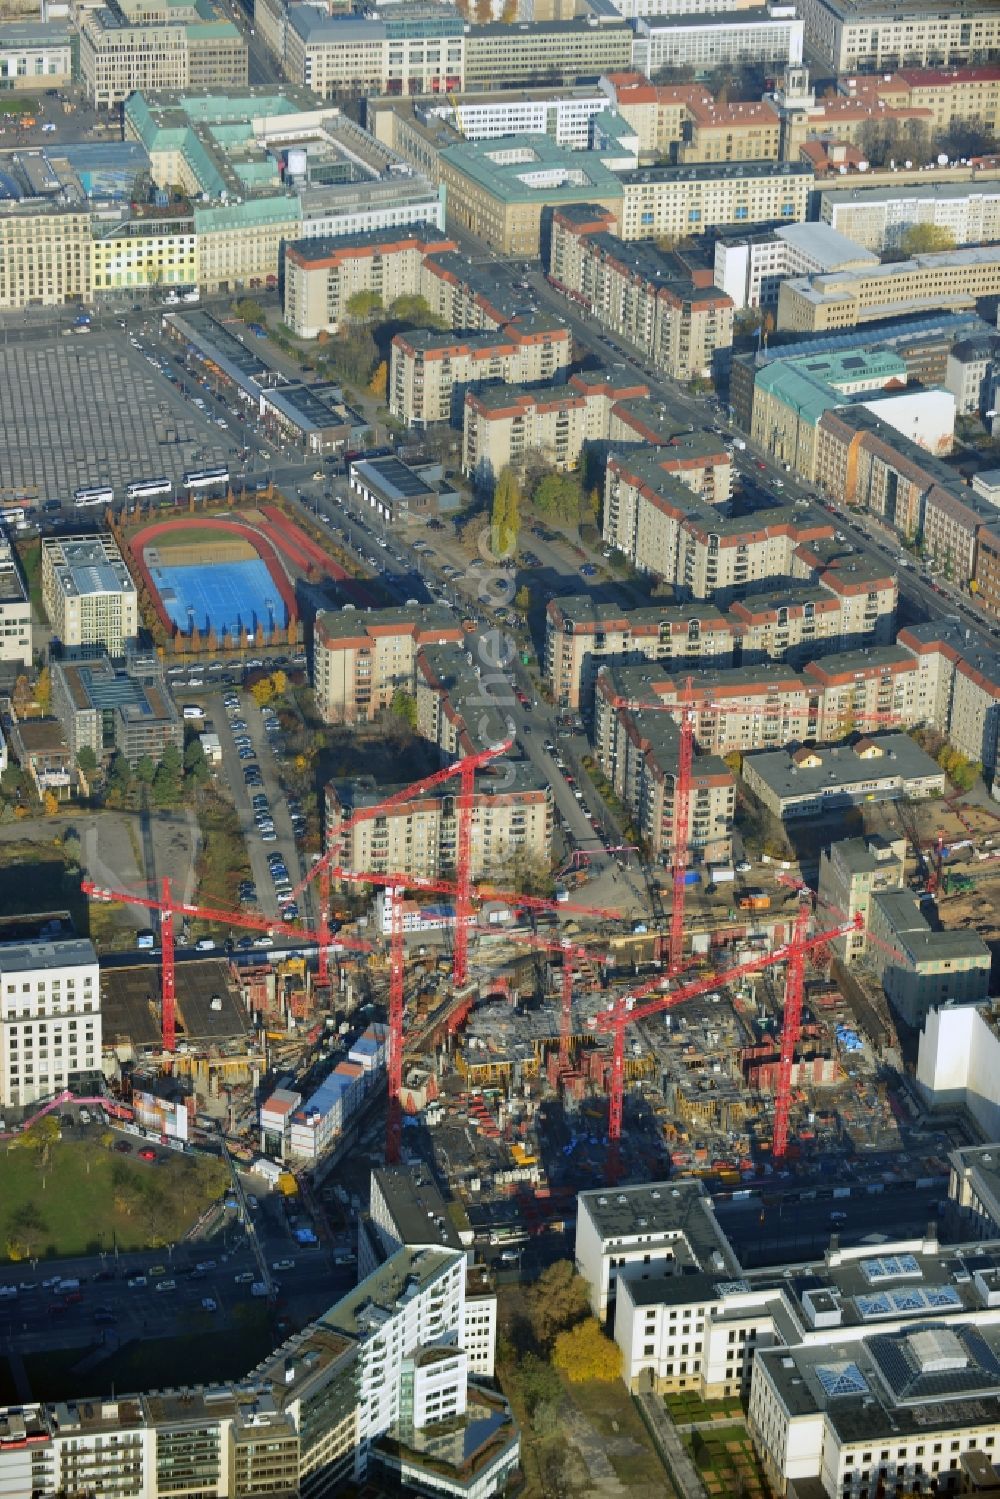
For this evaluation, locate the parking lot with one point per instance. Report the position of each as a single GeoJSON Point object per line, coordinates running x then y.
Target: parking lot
{"type": "Point", "coordinates": [93, 410]}
{"type": "Point", "coordinates": [250, 769]}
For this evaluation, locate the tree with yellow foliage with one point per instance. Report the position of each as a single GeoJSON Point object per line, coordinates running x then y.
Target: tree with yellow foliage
{"type": "Point", "coordinates": [51, 804]}
{"type": "Point", "coordinates": [585, 1353]}
{"type": "Point", "coordinates": [379, 382]}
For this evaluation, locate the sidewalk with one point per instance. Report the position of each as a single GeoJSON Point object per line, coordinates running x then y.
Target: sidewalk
{"type": "Point", "coordinates": [672, 1450]}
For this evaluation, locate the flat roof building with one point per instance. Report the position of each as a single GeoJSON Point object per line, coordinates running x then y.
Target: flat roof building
{"type": "Point", "coordinates": [841, 299]}
{"type": "Point", "coordinates": [88, 592]}
{"type": "Point", "coordinates": [814, 782]}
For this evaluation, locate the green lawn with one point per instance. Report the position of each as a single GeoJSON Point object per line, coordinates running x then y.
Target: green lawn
{"type": "Point", "coordinates": [89, 1198]}
{"type": "Point", "coordinates": [612, 1414]}
{"type": "Point", "coordinates": [687, 1406]}
{"type": "Point", "coordinates": [18, 105]}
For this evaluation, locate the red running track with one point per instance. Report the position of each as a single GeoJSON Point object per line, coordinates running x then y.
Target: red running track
{"type": "Point", "coordinates": [286, 534]}
{"type": "Point", "coordinates": [261, 545]}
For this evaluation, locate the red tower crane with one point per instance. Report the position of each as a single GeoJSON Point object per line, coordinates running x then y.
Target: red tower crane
{"type": "Point", "coordinates": [394, 1068]}
{"type": "Point", "coordinates": [686, 710]}
{"type": "Point", "coordinates": [791, 1028]}
{"type": "Point", "coordinates": [623, 1010]}
{"type": "Point", "coordinates": [167, 907]}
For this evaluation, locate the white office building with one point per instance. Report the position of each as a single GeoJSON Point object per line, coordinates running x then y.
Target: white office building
{"type": "Point", "coordinates": [564, 117]}
{"type": "Point", "coordinates": [50, 1018]}
{"type": "Point", "coordinates": [380, 1380]}
{"type": "Point", "coordinates": [750, 268]}
{"type": "Point", "coordinates": [88, 592]}
{"type": "Point", "coordinates": [772, 34]}
{"type": "Point", "coordinates": [642, 1233]}
{"type": "Point", "coordinates": [15, 610]}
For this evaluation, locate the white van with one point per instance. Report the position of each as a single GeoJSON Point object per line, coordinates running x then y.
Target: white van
{"type": "Point", "coordinates": [192, 710]}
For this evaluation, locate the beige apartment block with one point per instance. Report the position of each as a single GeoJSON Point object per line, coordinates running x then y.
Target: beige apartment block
{"type": "Point", "coordinates": [322, 275]}
{"type": "Point", "coordinates": [843, 299]}
{"type": "Point", "coordinates": [565, 50]}
{"type": "Point", "coordinates": [673, 202]}
{"type": "Point", "coordinates": [429, 373]}
{"type": "Point", "coordinates": [952, 523]}
{"type": "Point", "coordinates": [118, 58]}
{"type": "Point", "coordinates": [645, 780]}
{"type": "Point", "coordinates": [879, 217]}
{"type": "Point", "coordinates": [581, 633]}
{"type": "Point", "coordinates": [741, 131]}
{"type": "Point", "coordinates": [760, 707]}
{"type": "Point", "coordinates": [88, 592]}
{"type": "Point", "coordinates": [217, 56]}
{"type": "Point", "coordinates": [361, 658]}
{"type": "Point", "coordinates": [879, 35]}
{"type": "Point", "coordinates": [658, 113]}
{"type": "Point", "coordinates": [511, 828]}
{"type": "Point", "coordinates": [240, 243]}
{"type": "Point", "coordinates": [44, 255]}
{"type": "Point", "coordinates": [640, 293]}
{"type": "Point", "coordinates": [958, 688]}
{"type": "Point", "coordinates": [865, 691]}
{"type": "Point", "coordinates": [665, 529]}
{"type": "Point", "coordinates": [503, 428]}
{"type": "Point", "coordinates": [947, 94]}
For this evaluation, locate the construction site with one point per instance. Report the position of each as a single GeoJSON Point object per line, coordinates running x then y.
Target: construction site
{"type": "Point", "coordinates": [532, 1046]}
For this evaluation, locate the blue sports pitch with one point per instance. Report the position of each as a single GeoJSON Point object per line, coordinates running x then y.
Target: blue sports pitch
{"type": "Point", "coordinates": [222, 596]}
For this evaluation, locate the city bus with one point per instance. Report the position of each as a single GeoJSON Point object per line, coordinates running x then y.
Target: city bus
{"type": "Point", "coordinates": [206, 478]}
{"type": "Point", "coordinates": [99, 494]}
{"type": "Point", "coordinates": [148, 489]}
{"type": "Point", "coordinates": [11, 515]}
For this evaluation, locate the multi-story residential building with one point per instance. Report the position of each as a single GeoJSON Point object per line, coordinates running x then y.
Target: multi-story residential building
{"type": "Point", "coordinates": [864, 461]}
{"type": "Point", "coordinates": [816, 782]}
{"type": "Point", "coordinates": [864, 690]}
{"type": "Point", "coordinates": [499, 190]}
{"type": "Point", "coordinates": [503, 426]}
{"type": "Point", "coordinates": [645, 779]}
{"type": "Point", "coordinates": [379, 1382]}
{"type": "Point", "coordinates": [768, 34]}
{"type": "Point", "coordinates": [406, 1208]}
{"type": "Point", "coordinates": [791, 396]}
{"type": "Point", "coordinates": [740, 131]}
{"type": "Point", "coordinates": [673, 202]}
{"type": "Point", "coordinates": [750, 268]}
{"type": "Point", "coordinates": [415, 48]}
{"type": "Point", "coordinates": [113, 711]}
{"type": "Point", "coordinates": [430, 373]}
{"type": "Point", "coordinates": [842, 299]}
{"type": "Point", "coordinates": [455, 710]}
{"type": "Point", "coordinates": [879, 217]}
{"type": "Point", "coordinates": [88, 592]}
{"type": "Point", "coordinates": [545, 50]}
{"type": "Point", "coordinates": [968, 374]}
{"type": "Point", "coordinates": [44, 254]}
{"type": "Point", "coordinates": [651, 516]}
{"type": "Point", "coordinates": [322, 275]}
{"type": "Point", "coordinates": [952, 523]}
{"type": "Point", "coordinates": [757, 707]}
{"type": "Point", "coordinates": [640, 293]}
{"type": "Point", "coordinates": [987, 577]}
{"type": "Point", "coordinates": [581, 633]}
{"type": "Point", "coordinates": [50, 1018]}
{"type": "Point", "coordinates": [35, 54]}
{"type": "Point", "coordinates": [795, 623]}
{"type": "Point", "coordinates": [851, 872]}
{"type": "Point", "coordinates": [15, 610]}
{"type": "Point", "coordinates": [132, 45]}
{"type": "Point", "coordinates": [511, 827]}
{"type": "Point", "coordinates": [958, 687]}
{"type": "Point", "coordinates": [878, 36]}
{"type": "Point", "coordinates": [361, 659]}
